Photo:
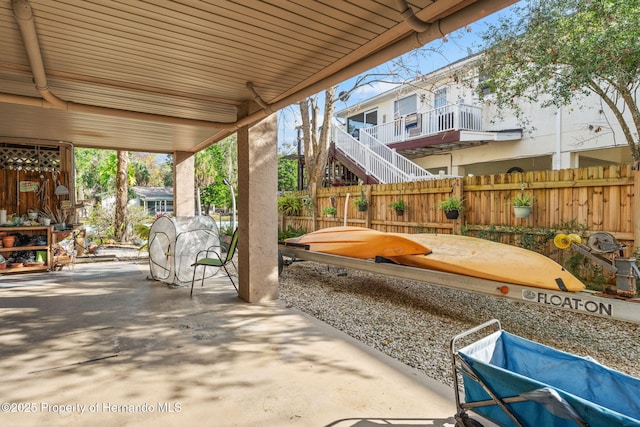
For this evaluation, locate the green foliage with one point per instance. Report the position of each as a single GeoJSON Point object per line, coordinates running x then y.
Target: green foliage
{"type": "Point", "coordinates": [96, 171]}
{"type": "Point", "coordinates": [329, 210]}
{"type": "Point", "coordinates": [216, 194]}
{"type": "Point", "coordinates": [212, 165]}
{"type": "Point", "coordinates": [91, 164]}
{"type": "Point", "coordinates": [556, 51]}
{"type": "Point", "coordinates": [167, 176]}
{"type": "Point", "coordinates": [291, 232]}
{"type": "Point", "coordinates": [398, 205]}
{"type": "Point", "coordinates": [142, 231]}
{"type": "Point", "coordinates": [307, 203]}
{"type": "Point", "coordinates": [289, 205]}
{"type": "Point", "coordinates": [361, 202]}
{"type": "Point", "coordinates": [522, 199]}
{"type": "Point", "coordinates": [226, 231]}
{"type": "Point", "coordinates": [141, 173]}
{"type": "Point", "coordinates": [287, 174]}
{"type": "Point", "coordinates": [451, 204]}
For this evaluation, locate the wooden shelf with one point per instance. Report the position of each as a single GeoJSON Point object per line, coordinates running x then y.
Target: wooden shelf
{"type": "Point", "coordinates": [25, 248]}
{"type": "Point", "coordinates": [8, 270]}
{"type": "Point", "coordinates": [33, 231]}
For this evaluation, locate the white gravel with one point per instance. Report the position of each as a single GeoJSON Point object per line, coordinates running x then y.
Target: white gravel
{"type": "Point", "coordinates": [414, 322]}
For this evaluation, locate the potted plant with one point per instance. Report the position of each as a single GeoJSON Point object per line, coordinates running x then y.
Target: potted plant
{"type": "Point", "coordinates": [329, 211]}
{"type": "Point", "coordinates": [451, 207]}
{"type": "Point", "coordinates": [361, 202]}
{"type": "Point", "coordinates": [399, 206]}
{"type": "Point", "coordinates": [289, 205]}
{"type": "Point", "coordinates": [522, 205]}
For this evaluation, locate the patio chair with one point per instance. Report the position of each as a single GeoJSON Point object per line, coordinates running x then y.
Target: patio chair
{"type": "Point", "coordinates": [213, 258]}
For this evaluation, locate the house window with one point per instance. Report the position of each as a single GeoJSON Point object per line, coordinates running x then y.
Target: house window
{"type": "Point", "coordinates": [440, 97]}
{"type": "Point", "coordinates": [405, 106]}
{"type": "Point", "coordinates": [485, 85]}
{"type": "Point", "coordinates": [362, 120]}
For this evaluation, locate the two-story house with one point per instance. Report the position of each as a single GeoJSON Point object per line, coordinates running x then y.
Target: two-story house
{"type": "Point", "coordinates": [440, 123]}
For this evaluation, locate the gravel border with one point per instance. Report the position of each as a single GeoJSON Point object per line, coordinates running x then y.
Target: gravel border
{"type": "Point", "coordinates": [414, 322]}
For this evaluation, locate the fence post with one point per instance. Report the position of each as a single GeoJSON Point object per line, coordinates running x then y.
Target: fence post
{"type": "Point", "coordinates": [636, 207]}
{"type": "Point", "coordinates": [367, 217]}
{"type": "Point", "coordinates": [458, 191]}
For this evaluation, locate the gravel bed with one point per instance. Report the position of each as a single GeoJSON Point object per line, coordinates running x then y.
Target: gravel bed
{"type": "Point", "coordinates": [414, 322]}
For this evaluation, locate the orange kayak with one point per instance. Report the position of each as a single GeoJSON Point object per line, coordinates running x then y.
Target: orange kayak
{"type": "Point", "coordinates": [485, 259]}
{"type": "Point", "coordinates": [359, 242]}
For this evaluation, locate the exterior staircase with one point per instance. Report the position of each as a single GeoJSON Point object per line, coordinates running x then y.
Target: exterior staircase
{"type": "Point", "coordinates": [374, 162]}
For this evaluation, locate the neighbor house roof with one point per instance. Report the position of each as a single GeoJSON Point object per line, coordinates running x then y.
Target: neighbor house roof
{"type": "Point", "coordinates": [153, 193]}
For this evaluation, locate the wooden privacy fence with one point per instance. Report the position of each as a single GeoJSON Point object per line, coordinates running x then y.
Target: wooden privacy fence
{"type": "Point", "coordinates": [591, 199]}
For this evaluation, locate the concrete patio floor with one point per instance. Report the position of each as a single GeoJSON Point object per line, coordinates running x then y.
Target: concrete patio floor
{"type": "Point", "coordinates": [103, 345]}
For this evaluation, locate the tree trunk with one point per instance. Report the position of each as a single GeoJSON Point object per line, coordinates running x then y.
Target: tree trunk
{"type": "Point", "coordinates": [122, 189]}
{"type": "Point", "coordinates": [316, 145]}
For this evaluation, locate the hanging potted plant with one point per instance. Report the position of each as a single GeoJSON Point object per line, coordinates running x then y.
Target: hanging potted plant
{"type": "Point", "coordinates": [451, 207]}
{"type": "Point", "coordinates": [329, 211]}
{"type": "Point", "coordinates": [361, 202]}
{"type": "Point", "coordinates": [522, 205]}
{"type": "Point", "coordinates": [399, 206]}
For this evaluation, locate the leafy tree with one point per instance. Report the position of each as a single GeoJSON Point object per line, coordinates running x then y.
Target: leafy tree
{"type": "Point", "coordinates": [105, 172]}
{"type": "Point", "coordinates": [89, 163]}
{"type": "Point", "coordinates": [287, 174]}
{"type": "Point", "coordinates": [212, 165]}
{"type": "Point", "coordinates": [216, 194]}
{"type": "Point", "coordinates": [556, 51]}
{"type": "Point", "coordinates": [167, 172]}
{"type": "Point", "coordinates": [151, 168]}
{"type": "Point", "coordinates": [207, 165]}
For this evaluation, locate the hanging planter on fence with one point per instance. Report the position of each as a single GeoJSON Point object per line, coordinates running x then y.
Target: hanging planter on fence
{"type": "Point", "coordinates": [522, 211]}
{"type": "Point", "coordinates": [522, 205]}
{"type": "Point", "coordinates": [361, 202]}
{"type": "Point", "coordinates": [399, 206]}
{"type": "Point", "coordinates": [452, 214]}
{"type": "Point", "coordinates": [451, 207]}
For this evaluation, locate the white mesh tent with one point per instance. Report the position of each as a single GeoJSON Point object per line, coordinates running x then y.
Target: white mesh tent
{"type": "Point", "coordinates": [174, 243]}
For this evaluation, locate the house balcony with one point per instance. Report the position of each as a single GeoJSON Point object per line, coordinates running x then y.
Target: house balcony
{"type": "Point", "coordinates": [446, 128]}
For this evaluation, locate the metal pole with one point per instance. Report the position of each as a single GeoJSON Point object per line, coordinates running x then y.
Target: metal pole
{"type": "Point", "coordinates": [233, 203]}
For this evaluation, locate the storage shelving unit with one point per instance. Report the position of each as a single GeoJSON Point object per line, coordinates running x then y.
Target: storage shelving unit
{"type": "Point", "coordinates": [31, 231]}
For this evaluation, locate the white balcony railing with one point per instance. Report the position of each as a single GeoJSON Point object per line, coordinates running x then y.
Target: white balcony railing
{"type": "Point", "coordinates": [377, 159]}
{"type": "Point", "coordinates": [420, 125]}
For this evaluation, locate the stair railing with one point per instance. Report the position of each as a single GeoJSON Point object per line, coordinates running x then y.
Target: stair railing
{"type": "Point", "coordinates": [378, 160]}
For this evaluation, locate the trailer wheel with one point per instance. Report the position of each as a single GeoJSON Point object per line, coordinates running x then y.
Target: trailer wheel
{"type": "Point", "coordinates": [463, 420]}
{"type": "Point", "coordinates": [470, 422]}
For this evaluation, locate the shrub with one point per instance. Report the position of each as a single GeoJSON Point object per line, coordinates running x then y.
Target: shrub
{"type": "Point", "coordinates": [289, 205]}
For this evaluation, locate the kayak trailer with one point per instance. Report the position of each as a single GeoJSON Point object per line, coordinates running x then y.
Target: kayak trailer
{"type": "Point", "coordinates": [512, 381]}
{"type": "Point", "coordinates": [585, 302]}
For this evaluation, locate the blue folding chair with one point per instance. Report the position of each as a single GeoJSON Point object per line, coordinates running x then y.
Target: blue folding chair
{"type": "Point", "coordinates": [213, 258]}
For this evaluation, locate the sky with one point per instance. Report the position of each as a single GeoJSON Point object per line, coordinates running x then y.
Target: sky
{"type": "Point", "coordinates": [457, 45]}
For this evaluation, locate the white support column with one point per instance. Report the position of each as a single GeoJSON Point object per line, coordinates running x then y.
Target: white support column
{"type": "Point", "coordinates": [457, 170]}
{"type": "Point", "coordinates": [258, 211]}
{"type": "Point", "coordinates": [183, 184]}
{"type": "Point", "coordinates": [566, 160]}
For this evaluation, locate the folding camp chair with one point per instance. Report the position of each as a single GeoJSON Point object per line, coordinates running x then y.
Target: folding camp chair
{"type": "Point", "coordinates": [213, 258]}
